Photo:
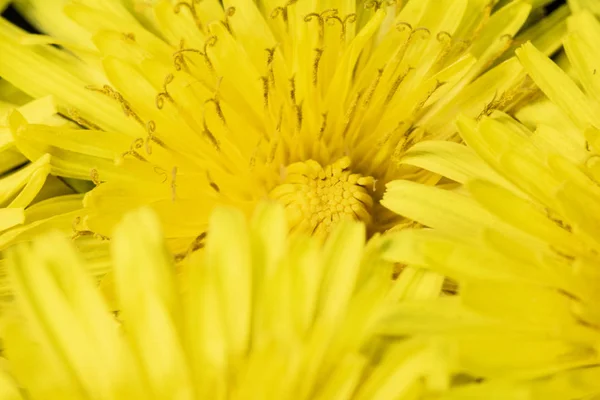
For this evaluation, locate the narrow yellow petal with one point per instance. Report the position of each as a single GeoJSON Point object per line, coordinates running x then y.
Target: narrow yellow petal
{"type": "Point", "coordinates": [495, 35]}
{"type": "Point", "coordinates": [342, 257]}
{"type": "Point", "coordinates": [452, 160]}
{"type": "Point", "coordinates": [49, 280]}
{"type": "Point", "coordinates": [228, 229]}
{"type": "Point", "coordinates": [521, 214]}
{"type": "Point", "coordinates": [32, 188]}
{"type": "Point", "coordinates": [437, 208]}
{"type": "Point", "coordinates": [30, 176]}
{"type": "Point", "coordinates": [585, 59]}
{"type": "Point", "coordinates": [559, 87]}
{"type": "Point", "coordinates": [10, 217]}
{"type": "Point", "coordinates": [547, 34]}
{"type": "Point", "coordinates": [149, 302]}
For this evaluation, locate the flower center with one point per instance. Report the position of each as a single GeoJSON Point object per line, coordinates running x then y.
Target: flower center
{"type": "Point", "coordinates": [316, 198]}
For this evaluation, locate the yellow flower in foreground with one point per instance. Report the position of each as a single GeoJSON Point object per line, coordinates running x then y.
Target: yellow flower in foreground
{"type": "Point", "coordinates": [309, 103]}
{"type": "Point", "coordinates": [522, 237]}
{"type": "Point", "coordinates": [261, 315]}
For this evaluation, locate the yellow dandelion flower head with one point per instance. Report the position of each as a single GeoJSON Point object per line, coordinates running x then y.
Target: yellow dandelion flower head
{"type": "Point", "coordinates": [522, 235]}
{"type": "Point", "coordinates": [261, 315]}
{"type": "Point", "coordinates": [310, 103]}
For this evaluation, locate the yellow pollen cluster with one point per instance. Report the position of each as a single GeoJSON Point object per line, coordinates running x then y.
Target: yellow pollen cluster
{"type": "Point", "coordinates": [316, 198]}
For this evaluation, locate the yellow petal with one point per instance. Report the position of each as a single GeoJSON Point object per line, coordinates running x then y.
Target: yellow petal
{"type": "Point", "coordinates": [49, 281]}
{"type": "Point", "coordinates": [342, 256]}
{"type": "Point", "coordinates": [452, 160]}
{"type": "Point", "coordinates": [146, 292]}
{"type": "Point", "coordinates": [585, 59]}
{"type": "Point", "coordinates": [547, 34]}
{"type": "Point", "coordinates": [522, 215]}
{"type": "Point", "coordinates": [31, 176]}
{"type": "Point", "coordinates": [228, 230]}
{"type": "Point", "coordinates": [436, 208]}
{"type": "Point", "coordinates": [10, 217]}
{"type": "Point", "coordinates": [559, 87]}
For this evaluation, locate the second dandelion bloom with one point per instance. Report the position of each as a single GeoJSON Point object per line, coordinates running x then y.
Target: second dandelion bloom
{"type": "Point", "coordinates": [309, 103]}
{"type": "Point", "coordinates": [521, 237]}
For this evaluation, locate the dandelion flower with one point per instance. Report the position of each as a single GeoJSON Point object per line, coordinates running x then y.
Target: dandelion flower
{"type": "Point", "coordinates": [521, 237]}
{"type": "Point", "coordinates": [309, 103]}
{"type": "Point", "coordinates": [281, 317]}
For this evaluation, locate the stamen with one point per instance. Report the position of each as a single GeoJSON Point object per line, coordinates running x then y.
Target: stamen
{"type": "Point", "coordinates": [270, 58]}
{"type": "Point", "coordinates": [74, 115]}
{"type": "Point", "coordinates": [265, 85]}
{"type": "Point", "coordinates": [135, 145]}
{"type": "Point", "coordinates": [502, 102]}
{"type": "Point", "coordinates": [377, 4]}
{"type": "Point", "coordinates": [411, 136]}
{"type": "Point", "coordinates": [372, 88]}
{"type": "Point", "coordinates": [586, 324]}
{"type": "Point", "coordinates": [350, 113]}
{"type": "Point", "coordinates": [191, 6]}
{"type": "Point", "coordinates": [113, 94]}
{"type": "Point", "coordinates": [212, 183]}
{"type": "Point", "coordinates": [568, 258]}
{"type": "Point", "coordinates": [215, 100]}
{"type": "Point", "coordinates": [321, 21]}
{"type": "Point", "coordinates": [252, 162]}
{"type": "Point", "coordinates": [162, 172]}
{"type": "Point", "coordinates": [173, 184]}
{"type": "Point", "coordinates": [230, 12]}
{"type": "Point", "coordinates": [443, 37]}
{"type": "Point", "coordinates": [395, 85]}
{"type": "Point", "coordinates": [95, 176]}
{"type": "Point", "coordinates": [77, 233]}
{"type": "Point", "coordinates": [403, 26]}
{"type": "Point", "coordinates": [293, 89]}
{"type": "Point", "coordinates": [80, 233]}
{"type": "Point", "coordinates": [272, 151]}
{"type": "Point", "coordinates": [419, 33]}
{"type": "Point", "coordinates": [75, 229]}
{"type": "Point", "coordinates": [179, 61]}
{"type": "Point", "coordinates": [316, 61]}
{"type": "Point", "coordinates": [160, 98]}
{"type": "Point", "coordinates": [558, 221]}
{"type": "Point", "coordinates": [298, 110]}
{"type": "Point", "coordinates": [487, 12]}
{"type": "Point", "coordinates": [196, 245]}
{"type": "Point", "coordinates": [385, 138]}
{"type": "Point", "coordinates": [508, 41]}
{"type": "Point", "coordinates": [270, 55]}
{"type": "Point", "coordinates": [283, 11]}
{"type": "Point", "coordinates": [421, 103]}
{"type": "Point", "coordinates": [350, 18]}
{"type": "Point", "coordinates": [99, 236]}
{"type": "Point", "coordinates": [446, 40]}
{"type": "Point", "coordinates": [150, 128]}
{"type": "Point", "coordinates": [128, 37]}
{"type": "Point", "coordinates": [460, 46]}
{"type": "Point", "coordinates": [206, 131]}
{"type": "Point", "coordinates": [323, 126]}
{"type": "Point", "coordinates": [209, 135]}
